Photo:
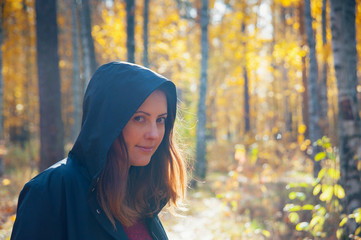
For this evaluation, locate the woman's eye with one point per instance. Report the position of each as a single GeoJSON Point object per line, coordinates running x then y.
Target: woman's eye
{"type": "Point", "coordinates": [138, 118]}
{"type": "Point", "coordinates": [161, 120]}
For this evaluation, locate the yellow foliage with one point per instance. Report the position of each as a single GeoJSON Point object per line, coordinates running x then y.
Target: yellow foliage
{"type": "Point", "coordinates": [296, 25]}
{"type": "Point", "coordinates": [339, 233]}
{"type": "Point", "coordinates": [287, 3]}
{"type": "Point", "coordinates": [19, 63]}
{"type": "Point", "coordinates": [316, 220]}
{"type": "Point", "coordinates": [6, 182]}
{"type": "Point", "coordinates": [110, 36]}
{"type": "Point", "coordinates": [358, 231]}
{"type": "Point", "coordinates": [316, 189]}
{"type": "Point", "coordinates": [16, 5]}
{"type": "Point", "coordinates": [334, 173]}
{"type": "Point", "coordinates": [302, 128]}
{"type": "Point", "coordinates": [343, 221]}
{"type": "Point", "coordinates": [327, 193]}
{"type": "Point", "coordinates": [305, 145]}
{"type": "Point", "coordinates": [357, 214]}
{"type": "Point", "coordinates": [300, 140]}
{"type": "Point", "coordinates": [339, 191]}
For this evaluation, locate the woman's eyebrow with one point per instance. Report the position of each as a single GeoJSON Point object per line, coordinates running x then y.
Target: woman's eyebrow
{"type": "Point", "coordinates": [148, 114]}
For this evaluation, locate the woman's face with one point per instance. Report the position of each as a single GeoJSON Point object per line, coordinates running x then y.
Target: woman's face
{"type": "Point", "coordinates": [145, 129]}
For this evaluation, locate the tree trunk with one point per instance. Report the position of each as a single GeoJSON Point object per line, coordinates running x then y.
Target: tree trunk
{"type": "Point", "coordinates": [315, 131]}
{"type": "Point", "coordinates": [287, 112]}
{"type": "Point", "coordinates": [201, 126]}
{"type": "Point", "coordinates": [130, 8]}
{"type": "Point", "coordinates": [89, 60]}
{"type": "Point", "coordinates": [77, 91]}
{"type": "Point", "coordinates": [2, 6]}
{"type": "Point", "coordinates": [274, 85]}
{"type": "Point", "coordinates": [51, 125]}
{"type": "Point", "coordinates": [145, 33]}
{"type": "Point", "coordinates": [305, 104]}
{"type": "Point", "coordinates": [323, 83]}
{"type": "Point", "coordinates": [247, 114]}
{"type": "Point", "coordinates": [28, 69]}
{"type": "Point", "coordinates": [247, 125]}
{"type": "Point", "coordinates": [349, 129]}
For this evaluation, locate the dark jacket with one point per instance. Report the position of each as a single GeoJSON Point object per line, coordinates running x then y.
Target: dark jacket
{"type": "Point", "coordinates": [61, 202]}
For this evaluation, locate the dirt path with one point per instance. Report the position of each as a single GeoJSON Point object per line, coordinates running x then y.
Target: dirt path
{"type": "Point", "coordinates": [198, 223]}
{"type": "Point", "coordinates": [206, 219]}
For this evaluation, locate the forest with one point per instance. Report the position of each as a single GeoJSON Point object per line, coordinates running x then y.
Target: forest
{"type": "Point", "coordinates": [269, 104]}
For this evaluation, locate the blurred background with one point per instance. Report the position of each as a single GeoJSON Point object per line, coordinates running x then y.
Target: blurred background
{"type": "Point", "coordinates": [269, 113]}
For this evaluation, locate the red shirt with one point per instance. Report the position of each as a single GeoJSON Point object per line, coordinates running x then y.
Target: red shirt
{"type": "Point", "coordinates": [138, 231]}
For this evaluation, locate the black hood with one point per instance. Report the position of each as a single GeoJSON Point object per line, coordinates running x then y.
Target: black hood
{"type": "Point", "coordinates": [114, 93]}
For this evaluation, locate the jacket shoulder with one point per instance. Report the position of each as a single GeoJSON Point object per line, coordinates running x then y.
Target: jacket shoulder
{"type": "Point", "coordinates": [41, 212]}
{"type": "Point", "coordinates": [58, 175]}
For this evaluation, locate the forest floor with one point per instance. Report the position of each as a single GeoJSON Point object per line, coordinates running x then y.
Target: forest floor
{"type": "Point", "coordinates": [216, 209]}
{"type": "Point", "coordinates": [209, 215]}
{"type": "Point", "coordinates": [7, 210]}
{"type": "Point", "coordinates": [11, 184]}
{"type": "Point", "coordinates": [205, 218]}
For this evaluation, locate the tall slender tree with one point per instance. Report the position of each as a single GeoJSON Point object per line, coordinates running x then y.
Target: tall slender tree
{"type": "Point", "coordinates": [349, 126]}
{"type": "Point", "coordinates": [274, 86]}
{"type": "Point", "coordinates": [130, 9]}
{"type": "Point", "coordinates": [323, 81]}
{"type": "Point", "coordinates": [285, 83]}
{"type": "Point", "coordinates": [315, 131]}
{"type": "Point", "coordinates": [145, 33]}
{"type": "Point", "coordinates": [2, 6]}
{"type": "Point", "coordinates": [305, 97]}
{"type": "Point", "coordinates": [89, 59]}
{"type": "Point", "coordinates": [28, 74]}
{"type": "Point", "coordinates": [51, 125]}
{"type": "Point", "coordinates": [201, 126]}
{"type": "Point", "coordinates": [76, 86]}
{"type": "Point", "coordinates": [247, 114]}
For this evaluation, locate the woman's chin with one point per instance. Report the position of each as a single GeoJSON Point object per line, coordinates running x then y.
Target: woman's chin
{"type": "Point", "coordinates": [140, 163]}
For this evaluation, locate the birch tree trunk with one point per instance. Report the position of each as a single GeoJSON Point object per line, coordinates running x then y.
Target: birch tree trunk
{"type": "Point", "coordinates": [315, 131]}
{"type": "Point", "coordinates": [76, 86]}
{"type": "Point", "coordinates": [201, 164]}
{"type": "Point", "coordinates": [145, 33]}
{"type": "Point", "coordinates": [130, 8]}
{"type": "Point", "coordinates": [89, 60]}
{"type": "Point", "coordinates": [51, 125]}
{"type": "Point", "coordinates": [349, 129]}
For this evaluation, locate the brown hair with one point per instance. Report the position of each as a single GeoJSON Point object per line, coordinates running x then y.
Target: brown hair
{"type": "Point", "coordinates": [128, 193]}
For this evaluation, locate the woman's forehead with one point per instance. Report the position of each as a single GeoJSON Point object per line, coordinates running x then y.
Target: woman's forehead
{"type": "Point", "coordinates": [155, 103]}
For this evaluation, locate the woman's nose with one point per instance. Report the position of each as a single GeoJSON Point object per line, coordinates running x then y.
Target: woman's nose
{"type": "Point", "coordinates": [152, 131]}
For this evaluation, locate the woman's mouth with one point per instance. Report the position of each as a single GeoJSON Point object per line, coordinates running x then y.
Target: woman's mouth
{"type": "Point", "coordinates": [145, 148]}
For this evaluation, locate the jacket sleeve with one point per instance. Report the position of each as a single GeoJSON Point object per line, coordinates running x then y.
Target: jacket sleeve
{"type": "Point", "coordinates": [37, 217]}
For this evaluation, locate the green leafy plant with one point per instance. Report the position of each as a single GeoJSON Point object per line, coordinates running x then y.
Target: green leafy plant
{"type": "Point", "coordinates": [315, 207]}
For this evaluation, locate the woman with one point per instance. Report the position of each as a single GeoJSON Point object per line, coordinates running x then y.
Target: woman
{"type": "Point", "coordinates": [122, 170]}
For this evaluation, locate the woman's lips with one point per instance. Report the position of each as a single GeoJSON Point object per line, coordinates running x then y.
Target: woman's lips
{"type": "Point", "coordinates": [145, 149]}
